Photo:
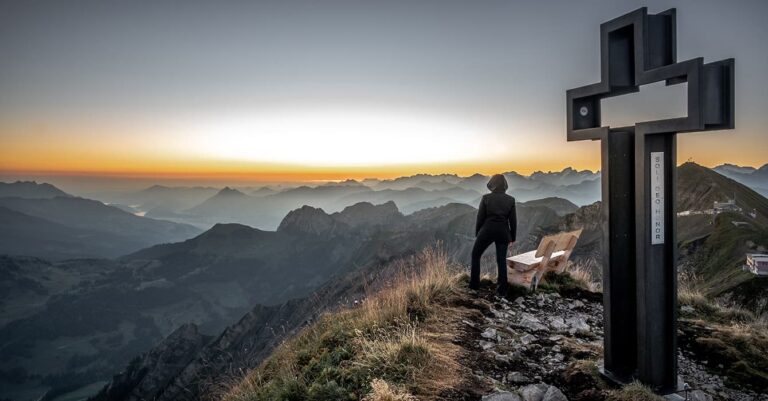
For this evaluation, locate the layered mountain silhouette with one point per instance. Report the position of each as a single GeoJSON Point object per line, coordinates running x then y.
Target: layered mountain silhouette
{"type": "Point", "coordinates": [755, 178]}
{"type": "Point", "coordinates": [22, 234]}
{"type": "Point", "coordinates": [265, 207]}
{"type": "Point", "coordinates": [558, 205]}
{"type": "Point", "coordinates": [30, 190]}
{"type": "Point", "coordinates": [59, 227]}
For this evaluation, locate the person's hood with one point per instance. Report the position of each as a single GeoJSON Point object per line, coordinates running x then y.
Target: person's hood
{"type": "Point", "coordinates": [498, 183]}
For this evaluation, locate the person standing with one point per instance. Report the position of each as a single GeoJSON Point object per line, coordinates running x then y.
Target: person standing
{"type": "Point", "coordinates": [496, 224]}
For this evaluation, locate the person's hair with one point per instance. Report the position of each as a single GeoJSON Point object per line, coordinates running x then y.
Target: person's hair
{"type": "Point", "coordinates": [498, 183]}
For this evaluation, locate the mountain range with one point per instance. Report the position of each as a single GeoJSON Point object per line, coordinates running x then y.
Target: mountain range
{"type": "Point", "coordinates": [755, 178]}
{"type": "Point", "coordinates": [70, 323]}
{"type": "Point", "coordinates": [36, 220]}
{"type": "Point", "coordinates": [205, 363]}
{"type": "Point", "coordinates": [265, 207]}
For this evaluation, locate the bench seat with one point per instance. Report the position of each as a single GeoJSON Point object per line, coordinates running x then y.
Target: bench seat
{"type": "Point", "coordinates": [552, 254]}
{"type": "Point", "coordinates": [526, 261]}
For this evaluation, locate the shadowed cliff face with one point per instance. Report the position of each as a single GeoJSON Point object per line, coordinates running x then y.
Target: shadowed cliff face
{"type": "Point", "coordinates": [204, 371]}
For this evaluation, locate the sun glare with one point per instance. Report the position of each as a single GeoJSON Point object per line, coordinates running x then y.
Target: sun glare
{"type": "Point", "coordinates": [336, 139]}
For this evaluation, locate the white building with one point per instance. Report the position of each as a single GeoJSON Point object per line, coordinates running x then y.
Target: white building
{"type": "Point", "coordinates": [727, 206]}
{"type": "Point", "coordinates": [757, 263]}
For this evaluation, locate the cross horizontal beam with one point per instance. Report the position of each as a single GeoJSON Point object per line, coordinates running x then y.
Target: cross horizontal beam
{"type": "Point", "coordinates": [638, 49]}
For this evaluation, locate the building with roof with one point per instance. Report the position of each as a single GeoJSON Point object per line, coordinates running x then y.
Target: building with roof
{"type": "Point", "coordinates": [727, 206]}
{"type": "Point", "coordinates": [757, 263]}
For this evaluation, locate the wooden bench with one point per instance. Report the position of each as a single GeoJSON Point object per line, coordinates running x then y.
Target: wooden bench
{"type": "Point", "coordinates": [552, 254]}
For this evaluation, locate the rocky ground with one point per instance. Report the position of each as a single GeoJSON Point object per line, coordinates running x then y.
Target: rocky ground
{"type": "Point", "coordinates": [546, 346]}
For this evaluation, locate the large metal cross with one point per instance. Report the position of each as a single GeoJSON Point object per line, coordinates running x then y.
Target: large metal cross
{"type": "Point", "coordinates": [638, 188]}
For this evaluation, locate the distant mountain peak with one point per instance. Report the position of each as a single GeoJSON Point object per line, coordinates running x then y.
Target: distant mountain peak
{"type": "Point", "coordinates": [734, 168]}
{"type": "Point", "coordinates": [566, 170]}
{"type": "Point", "coordinates": [30, 190]}
{"type": "Point", "coordinates": [366, 213]}
{"type": "Point", "coordinates": [227, 230]}
{"type": "Point", "coordinates": [308, 220]}
{"type": "Point", "coordinates": [227, 191]}
{"type": "Point", "coordinates": [346, 183]}
{"type": "Point", "coordinates": [156, 187]}
{"type": "Point", "coordinates": [513, 174]}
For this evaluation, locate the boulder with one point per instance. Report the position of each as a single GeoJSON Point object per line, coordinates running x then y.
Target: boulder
{"type": "Point", "coordinates": [517, 378]}
{"type": "Point", "coordinates": [554, 394]}
{"type": "Point", "coordinates": [501, 396]}
{"type": "Point", "coordinates": [534, 392]}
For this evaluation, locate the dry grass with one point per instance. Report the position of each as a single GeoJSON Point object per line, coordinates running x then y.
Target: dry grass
{"type": "Point", "coordinates": [583, 276]}
{"type": "Point", "coordinates": [633, 392]}
{"type": "Point", "coordinates": [731, 338]}
{"type": "Point", "coordinates": [395, 345]}
{"type": "Point", "coordinates": [689, 294]}
{"type": "Point", "coordinates": [383, 391]}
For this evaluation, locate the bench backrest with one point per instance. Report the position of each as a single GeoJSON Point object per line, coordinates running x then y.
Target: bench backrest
{"type": "Point", "coordinates": [547, 245]}
{"type": "Point", "coordinates": [557, 242]}
{"type": "Point", "coordinates": [567, 241]}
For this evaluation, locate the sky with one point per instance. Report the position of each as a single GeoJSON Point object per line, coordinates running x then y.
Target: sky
{"type": "Point", "coordinates": [326, 90]}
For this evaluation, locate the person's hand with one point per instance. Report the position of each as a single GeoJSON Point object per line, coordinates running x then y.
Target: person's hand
{"type": "Point", "coordinates": [509, 247]}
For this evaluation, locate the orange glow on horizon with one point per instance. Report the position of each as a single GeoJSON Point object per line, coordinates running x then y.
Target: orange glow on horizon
{"type": "Point", "coordinates": [77, 150]}
{"type": "Point", "coordinates": [273, 173]}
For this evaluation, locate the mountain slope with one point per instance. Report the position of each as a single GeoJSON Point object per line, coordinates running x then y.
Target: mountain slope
{"type": "Point", "coordinates": [757, 179]}
{"type": "Point", "coordinates": [30, 190]}
{"type": "Point", "coordinates": [21, 234]}
{"type": "Point", "coordinates": [87, 218]}
{"type": "Point", "coordinates": [699, 187]}
{"type": "Point", "coordinates": [226, 199]}
{"type": "Point", "coordinates": [558, 205]}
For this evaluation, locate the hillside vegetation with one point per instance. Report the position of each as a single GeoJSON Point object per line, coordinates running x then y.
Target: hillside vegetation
{"type": "Point", "coordinates": [425, 336]}
{"type": "Point", "coordinates": [395, 345]}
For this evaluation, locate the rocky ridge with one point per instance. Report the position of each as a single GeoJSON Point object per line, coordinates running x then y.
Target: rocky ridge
{"type": "Point", "coordinates": [536, 348]}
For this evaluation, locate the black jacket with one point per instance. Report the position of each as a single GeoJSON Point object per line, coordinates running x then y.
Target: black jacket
{"type": "Point", "coordinates": [497, 208]}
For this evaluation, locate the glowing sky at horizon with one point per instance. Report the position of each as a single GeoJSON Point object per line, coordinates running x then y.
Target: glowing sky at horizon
{"type": "Point", "coordinates": [300, 90]}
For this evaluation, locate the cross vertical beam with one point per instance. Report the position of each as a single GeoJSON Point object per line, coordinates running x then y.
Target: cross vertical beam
{"type": "Point", "coordinates": [618, 248]}
{"type": "Point", "coordinates": [655, 159]}
{"type": "Point", "coordinates": [638, 183]}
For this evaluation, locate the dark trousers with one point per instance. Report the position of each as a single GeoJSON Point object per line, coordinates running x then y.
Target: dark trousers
{"type": "Point", "coordinates": [490, 234]}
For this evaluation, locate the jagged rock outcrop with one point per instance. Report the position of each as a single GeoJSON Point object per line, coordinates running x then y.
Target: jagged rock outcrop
{"type": "Point", "coordinates": [147, 376]}
{"type": "Point", "coordinates": [310, 220]}
{"type": "Point", "coordinates": [203, 371]}
{"type": "Point", "coordinates": [315, 221]}
{"type": "Point", "coordinates": [368, 214]}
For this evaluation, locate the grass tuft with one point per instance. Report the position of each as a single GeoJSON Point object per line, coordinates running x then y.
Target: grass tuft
{"type": "Point", "coordinates": [383, 391]}
{"type": "Point", "coordinates": [633, 392]}
{"type": "Point", "coordinates": [392, 347]}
